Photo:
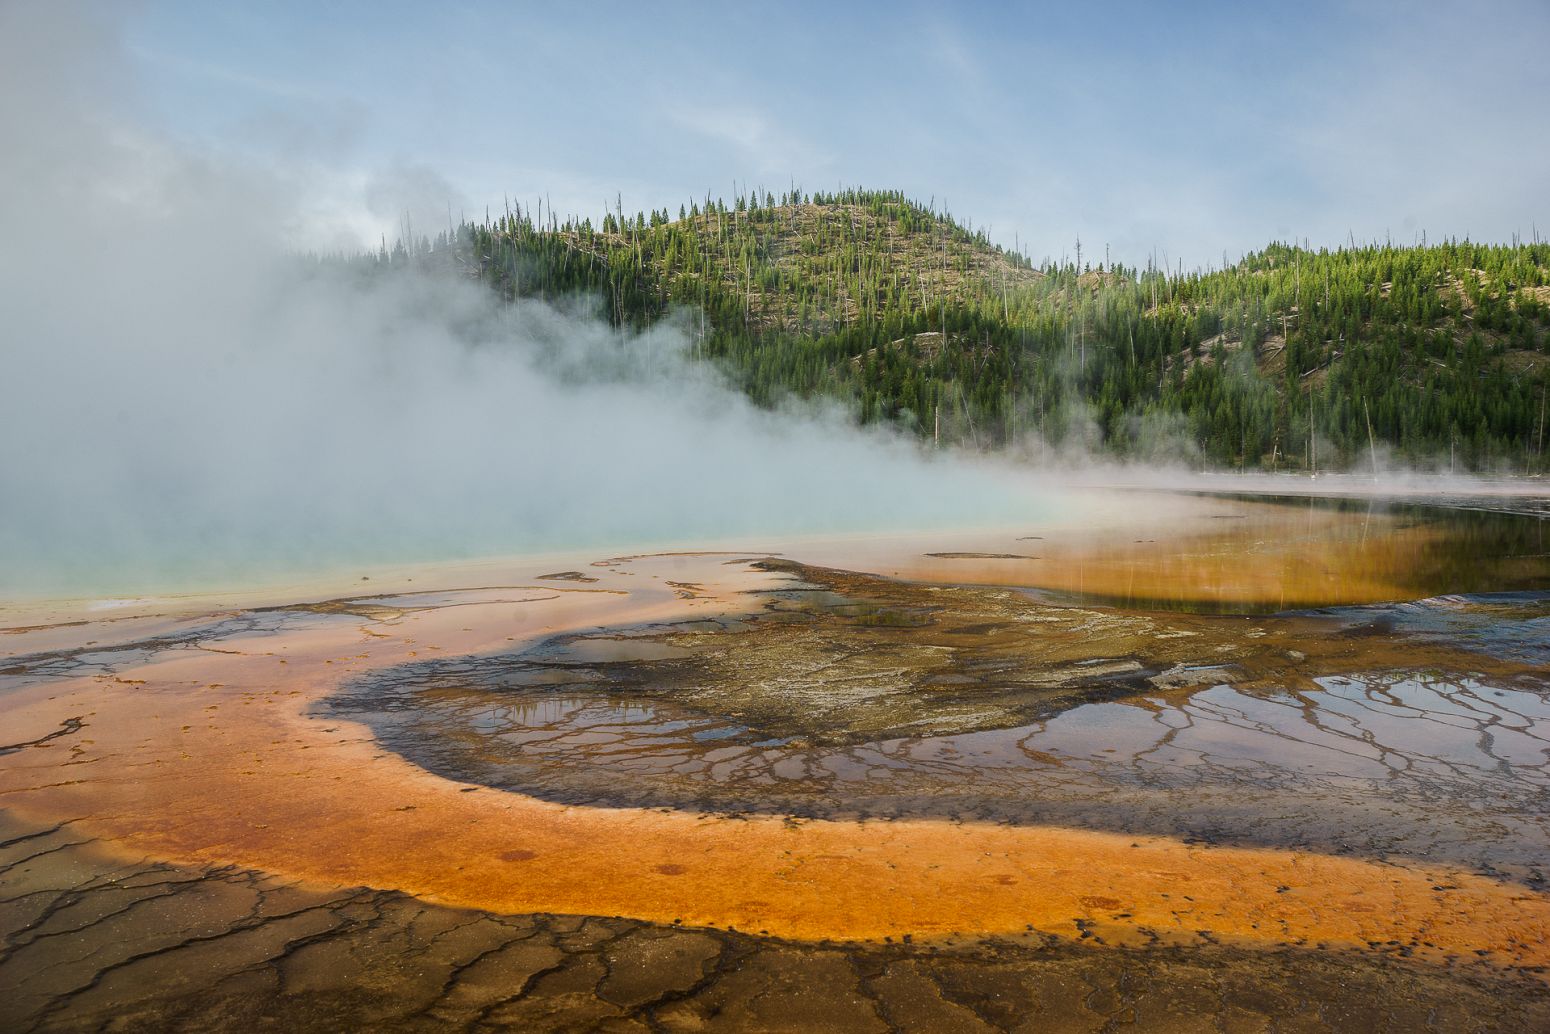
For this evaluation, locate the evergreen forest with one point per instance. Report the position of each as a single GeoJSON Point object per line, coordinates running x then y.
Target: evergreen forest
{"type": "Point", "coordinates": [1290, 359]}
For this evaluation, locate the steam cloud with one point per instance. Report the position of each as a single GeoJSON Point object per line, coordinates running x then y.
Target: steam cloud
{"type": "Point", "coordinates": [188, 401]}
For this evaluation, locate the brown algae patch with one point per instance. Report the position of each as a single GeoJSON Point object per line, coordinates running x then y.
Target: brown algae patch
{"type": "Point", "coordinates": [847, 696]}
{"type": "Point", "coordinates": [834, 658]}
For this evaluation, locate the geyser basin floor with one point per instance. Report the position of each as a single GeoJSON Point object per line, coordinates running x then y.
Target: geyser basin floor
{"type": "Point", "coordinates": [210, 753]}
{"type": "Point", "coordinates": [848, 696]}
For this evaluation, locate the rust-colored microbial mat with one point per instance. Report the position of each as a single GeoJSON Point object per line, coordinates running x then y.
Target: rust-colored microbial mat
{"type": "Point", "coordinates": [675, 791]}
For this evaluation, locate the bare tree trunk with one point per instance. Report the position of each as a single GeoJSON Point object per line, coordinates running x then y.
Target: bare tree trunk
{"type": "Point", "coordinates": [1372, 442]}
{"type": "Point", "coordinates": [1539, 446]}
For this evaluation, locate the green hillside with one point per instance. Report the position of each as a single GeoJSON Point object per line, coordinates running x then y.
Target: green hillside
{"type": "Point", "coordinates": [1275, 362]}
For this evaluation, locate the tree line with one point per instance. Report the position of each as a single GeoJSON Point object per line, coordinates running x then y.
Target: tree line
{"type": "Point", "coordinates": [1289, 359]}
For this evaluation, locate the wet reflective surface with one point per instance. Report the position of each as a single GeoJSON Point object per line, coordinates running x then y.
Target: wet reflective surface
{"type": "Point", "coordinates": [1218, 730]}
{"type": "Point", "coordinates": [834, 789]}
{"type": "Point", "coordinates": [1240, 555]}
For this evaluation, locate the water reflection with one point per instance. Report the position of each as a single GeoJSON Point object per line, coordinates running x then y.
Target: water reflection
{"type": "Point", "coordinates": [1417, 728]}
{"type": "Point", "coordinates": [1415, 764]}
{"type": "Point", "coordinates": [1251, 555]}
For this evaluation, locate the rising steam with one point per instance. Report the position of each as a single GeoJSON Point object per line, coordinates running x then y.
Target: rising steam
{"type": "Point", "coordinates": [187, 400]}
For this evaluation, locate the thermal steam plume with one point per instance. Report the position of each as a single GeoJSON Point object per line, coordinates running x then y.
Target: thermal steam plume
{"type": "Point", "coordinates": [191, 402]}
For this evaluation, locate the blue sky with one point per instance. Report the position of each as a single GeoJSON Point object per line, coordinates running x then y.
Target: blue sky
{"type": "Point", "coordinates": [1181, 130]}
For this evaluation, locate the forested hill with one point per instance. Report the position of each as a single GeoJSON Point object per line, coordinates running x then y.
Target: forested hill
{"type": "Point", "coordinates": [1280, 361]}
